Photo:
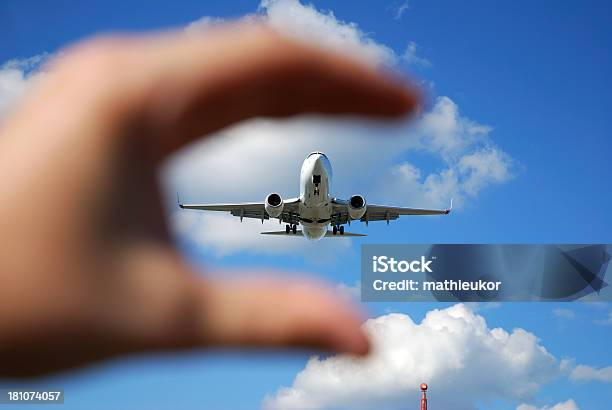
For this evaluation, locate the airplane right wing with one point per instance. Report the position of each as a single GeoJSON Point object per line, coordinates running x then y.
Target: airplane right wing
{"type": "Point", "coordinates": [382, 212]}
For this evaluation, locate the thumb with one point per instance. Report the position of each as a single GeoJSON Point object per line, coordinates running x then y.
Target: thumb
{"type": "Point", "coordinates": [279, 313]}
{"type": "Point", "coordinates": [167, 305]}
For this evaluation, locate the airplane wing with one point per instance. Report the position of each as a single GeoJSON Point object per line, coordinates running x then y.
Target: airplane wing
{"type": "Point", "coordinates": [382, 212]}
{"type": "Point", "coordinates": [255, 210]}
{"type": "Point", "coordinates": [329, 234]}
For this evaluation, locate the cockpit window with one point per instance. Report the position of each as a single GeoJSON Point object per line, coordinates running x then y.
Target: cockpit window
{"type": "Point", "coordinates": [316, 179]}
{"type": "Point", "coordinates": [317, 153]}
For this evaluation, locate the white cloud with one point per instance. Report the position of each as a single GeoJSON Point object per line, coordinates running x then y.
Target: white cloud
{"type": "Point", "coordinates": [567, 405]}
{"type": "Point", "coordinates": [410, 56]}
{"type": "Point", "coordinates": [582, 373]}
{"type": "Point", "coordinates": [607, 321]}
{"type": "Point", "coordinates": [306, 23]}
{"type": "Point", "coordinates": [350, 292]}
{"type": "Point", "coordinates": [483, 306]}
{"type": "Point", "coordinates": [15, 78]}
{"type": "Point", "coordinates": [203, 23]}
{"type": "Point", "coordinates": [482, 168]}
{"type": "Point", "coordinates": [401, 9]}
{"type": "Point", "coordinates": [452, 349]}
{"type": "Point", "coordinates": [471, 162]}
{"type": "Point", "coordinates": [564, 313]}
{"type": "Point", "coordinates": [443, 130]}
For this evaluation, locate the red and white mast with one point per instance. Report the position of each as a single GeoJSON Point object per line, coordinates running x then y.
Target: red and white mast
{"type": "Point", "coordinates": [424, 396]}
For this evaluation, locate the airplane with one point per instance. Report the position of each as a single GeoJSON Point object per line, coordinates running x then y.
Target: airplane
{"type": "Point", "coordinates": [315, 209]}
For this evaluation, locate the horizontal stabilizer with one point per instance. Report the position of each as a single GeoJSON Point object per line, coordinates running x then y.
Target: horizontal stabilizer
{"type": "Point", "coordinates": [329, 234]}
{"type": "Point", "coordinates": [282, 233]}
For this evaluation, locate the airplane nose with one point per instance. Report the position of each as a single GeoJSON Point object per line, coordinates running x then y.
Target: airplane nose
{"type": "Point", "coordinates": [318, 163]}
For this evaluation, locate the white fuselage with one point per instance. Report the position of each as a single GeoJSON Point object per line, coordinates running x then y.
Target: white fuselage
{"type": "Point", "coordinates": [315, 199]}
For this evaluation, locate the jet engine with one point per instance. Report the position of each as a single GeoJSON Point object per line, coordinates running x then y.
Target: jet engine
{"type": "Point", "coordinates": [274, 205]}
{"type": "Point", "coordinates": [356, 207]}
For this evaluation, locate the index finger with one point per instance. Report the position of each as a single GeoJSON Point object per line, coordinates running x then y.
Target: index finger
{"type": "Point", "coordinates": [179, 86]}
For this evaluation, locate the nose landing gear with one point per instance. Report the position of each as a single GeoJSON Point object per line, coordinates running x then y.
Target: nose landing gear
{"type": "Point", "coordinates": [291, 229]}
{"type": "Point", "coordinates": [338, 229]}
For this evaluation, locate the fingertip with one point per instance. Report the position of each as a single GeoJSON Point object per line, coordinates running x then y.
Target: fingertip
{"type": "Point", "coordinates": [407, 101]}
{"type": "Point", "coordinates": [340, 322]}
{"type": "Point", "coordinates": [351, 336]}
{"type": "Point", "coordinates": [407, 97]}
{"type": "Point", "coordinates": [359, 345]}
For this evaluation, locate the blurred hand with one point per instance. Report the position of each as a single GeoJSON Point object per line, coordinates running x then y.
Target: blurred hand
{"type": "Point", "coordinates": [87, 270]}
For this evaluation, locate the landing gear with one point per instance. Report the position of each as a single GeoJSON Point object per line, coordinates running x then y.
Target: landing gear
{"type": "Point", "coordinates": [338, 229]}
{"type": "Point", "coordinates": [287, 228]}
{"type": "Point", "coordinates": [294, 229]}
{"type": "Point", "coordinates": [291, 229]}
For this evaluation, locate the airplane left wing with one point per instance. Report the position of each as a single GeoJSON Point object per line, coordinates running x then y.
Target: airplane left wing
{"type": "Point", "coordinates": [255, 210]}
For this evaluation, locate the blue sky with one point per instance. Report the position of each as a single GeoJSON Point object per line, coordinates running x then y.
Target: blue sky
{"type": "Point", "coordinates": [537, 73]}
